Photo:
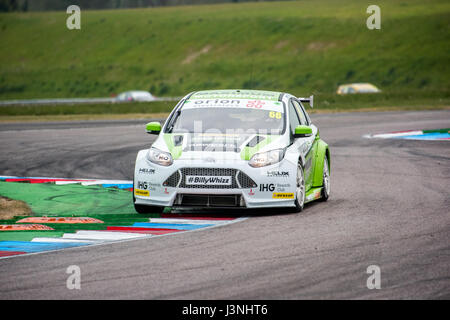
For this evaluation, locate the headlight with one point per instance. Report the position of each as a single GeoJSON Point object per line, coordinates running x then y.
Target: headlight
{"type": "Point", "coordinates": [159, 157]}
{"type": "Point", "coordinates": [266, 158]}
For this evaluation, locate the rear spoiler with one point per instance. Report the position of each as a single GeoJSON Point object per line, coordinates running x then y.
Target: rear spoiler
{"type": "Point", "coordinates": [309, 100]}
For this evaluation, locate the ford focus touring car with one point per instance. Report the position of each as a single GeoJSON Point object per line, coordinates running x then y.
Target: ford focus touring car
{"type": "Point", "coordinates": [233, 149]}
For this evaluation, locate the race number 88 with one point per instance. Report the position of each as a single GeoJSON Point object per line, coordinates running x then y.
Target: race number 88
{"type": "Point", "coordinates": [276, 115]}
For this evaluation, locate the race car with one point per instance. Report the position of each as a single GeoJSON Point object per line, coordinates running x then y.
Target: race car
{"type": "Point", "coordinates": [352, 88]}
{"type": "Point", "coordinates": [233, 149]}
{"type": "Point", "coordinates": [141, 96]}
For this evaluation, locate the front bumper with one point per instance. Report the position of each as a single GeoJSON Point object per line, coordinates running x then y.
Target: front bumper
{"type": "Point", "coordinates": [271, 186]}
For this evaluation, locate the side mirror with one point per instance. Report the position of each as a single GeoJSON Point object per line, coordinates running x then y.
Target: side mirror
{"type": "Point", "coordinates": [302, 131]}
{"type": "Point", "coordinates": [153, 127]}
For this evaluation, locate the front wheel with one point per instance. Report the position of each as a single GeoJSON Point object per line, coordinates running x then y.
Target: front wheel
{"type": "Point", "coordinates": [326, 186]}
{"type": "Point", "coordinates": [300, 189]}
{"type": "Point", "coordinates": [142, 209]}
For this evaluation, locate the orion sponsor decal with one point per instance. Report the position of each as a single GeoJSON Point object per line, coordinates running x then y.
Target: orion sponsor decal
{"type": "Point", "coordinates": [283, 195]}
{"type": "Point", "coordinates": [208, 180]}
{"type": "Point", "coordinates": [237, 103]}
{"type": "Point", "coordinates": [278, 174]}
{"type": "Point", "coordinates": [217, 102]}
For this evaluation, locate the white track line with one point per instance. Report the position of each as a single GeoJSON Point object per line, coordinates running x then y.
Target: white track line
{"type": "Point", "coordinates": [187, 221]}
{"type": "Point", "coordinates": [89, 183]}
{"type": "Point", "coordinates": [393, 134]}
{"type": "Point", "coordinates": [44, 239]}
{"type": "Point", "coordinates": [101, 243]}
{"type": "Point", "coordinates": [103, 235]}
{"type": "Point", "coordinates": [66, 182]}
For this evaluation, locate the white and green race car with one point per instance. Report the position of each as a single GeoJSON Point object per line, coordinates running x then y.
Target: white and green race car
{"type": "Point", "coordinates": [233, 149]}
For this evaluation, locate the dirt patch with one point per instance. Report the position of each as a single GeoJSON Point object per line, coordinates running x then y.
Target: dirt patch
{"type": "Point", "coordinates": [11, 208]}
{"type": "Point", "coordinates": [191, 57]}
{"type": "Point", "coordinates": [320, 46]}
{"type": "Point", "coordinates": [281, 44]}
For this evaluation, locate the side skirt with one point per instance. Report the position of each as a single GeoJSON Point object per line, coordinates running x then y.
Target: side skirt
{"type": "Point", "coordinates": [313, 194]}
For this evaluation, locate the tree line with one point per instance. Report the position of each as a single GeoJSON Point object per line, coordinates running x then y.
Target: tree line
{"type": "Point", "coordinates": [56, 5]}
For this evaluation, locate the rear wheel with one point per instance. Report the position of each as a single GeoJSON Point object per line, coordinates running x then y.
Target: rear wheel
{"type": "Point", "coordinates": [326, 180]}
{"type": "Point", "coordinates": [300, 189]}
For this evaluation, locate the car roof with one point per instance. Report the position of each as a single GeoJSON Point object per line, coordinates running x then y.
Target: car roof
{"type": "Point", "coordinates": [237, 94]}
{"type": "Point", "coordinates": [140, 92]}
{"type": "Point", "coordinates": [136, 91]}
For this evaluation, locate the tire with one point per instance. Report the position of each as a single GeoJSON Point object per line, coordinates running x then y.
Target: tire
{"type": "Point", "coordinates": [326, 186]}
{"type": "Point", "coordinates": [300, 190]}
{"type": "Point", "coordinates": [143, 209]}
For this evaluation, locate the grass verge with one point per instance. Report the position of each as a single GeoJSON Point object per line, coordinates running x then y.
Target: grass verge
{"type": "Point", "coordinates": [301, 47]}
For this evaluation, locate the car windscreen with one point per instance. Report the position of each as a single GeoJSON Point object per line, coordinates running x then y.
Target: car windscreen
{"type": "Point", "coordinates": [228, 116]}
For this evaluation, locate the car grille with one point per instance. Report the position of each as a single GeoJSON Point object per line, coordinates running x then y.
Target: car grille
{"type": "Point", "coordinates": [245, 181]}
{"type": "Point", "coordinates": [208, 200]}
{"type": "Point", "coordinates": [179, 178]}
{"type": "Point", "coordinates": [173, 180]}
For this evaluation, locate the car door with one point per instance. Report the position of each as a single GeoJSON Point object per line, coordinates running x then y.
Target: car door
{"type": "Point", "coordinates": [308, 146]}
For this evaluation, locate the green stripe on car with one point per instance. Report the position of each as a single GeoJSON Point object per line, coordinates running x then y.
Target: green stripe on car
{"type": "Point", "coordinates": [175, 151]}
{"type": "Point", "coordinates": [248, 152]}
{"type": "Point", "coordinates": [237, 94]}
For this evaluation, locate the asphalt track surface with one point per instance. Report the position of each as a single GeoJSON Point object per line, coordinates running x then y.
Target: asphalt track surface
{"type": "Point", "coordinates": [389, 206]}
